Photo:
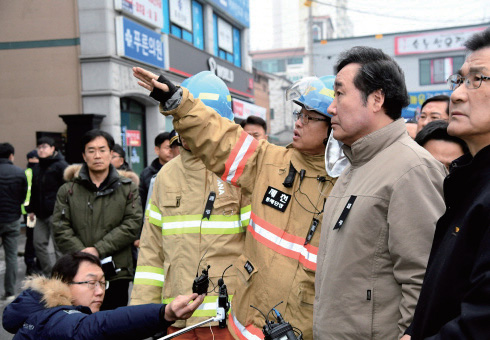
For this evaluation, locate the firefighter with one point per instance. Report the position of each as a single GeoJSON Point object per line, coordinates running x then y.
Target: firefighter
{"type": "Point", "coordinates": [193, 215]}
{"type": "Point", "coordinates": [288, 187]}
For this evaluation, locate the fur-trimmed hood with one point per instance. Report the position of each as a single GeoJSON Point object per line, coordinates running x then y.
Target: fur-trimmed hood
{"type": "Point", "coordinates": [54, 292]}
{"type": "Point", "coordinates": [40, 295]}
{"type": "Point", "coordinates": [73, 171]}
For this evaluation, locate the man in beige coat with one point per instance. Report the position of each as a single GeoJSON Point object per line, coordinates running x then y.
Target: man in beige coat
{"type": "Point", "coordinates": [380, 217]}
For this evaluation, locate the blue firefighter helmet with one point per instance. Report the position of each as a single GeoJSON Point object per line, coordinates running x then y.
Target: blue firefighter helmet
{"type": "Point", "coordinates": [212, 91]}
{"type": "Point", "coordinates": [312, 93]}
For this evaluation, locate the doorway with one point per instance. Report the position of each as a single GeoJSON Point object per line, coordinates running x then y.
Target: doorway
{"type": "Point", "coordinates": [133, 133]}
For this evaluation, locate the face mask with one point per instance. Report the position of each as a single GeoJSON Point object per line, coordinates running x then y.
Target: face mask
{"type": "Point", "coordinates": [335, 159]}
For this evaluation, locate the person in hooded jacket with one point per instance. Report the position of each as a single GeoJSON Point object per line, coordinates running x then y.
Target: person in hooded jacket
{"type": "Point", "coordinates": [66, 306]}
{"type": "Point", "coordinates": [47, 178]}
{"type": "Point", "coordinates": [98, 211]}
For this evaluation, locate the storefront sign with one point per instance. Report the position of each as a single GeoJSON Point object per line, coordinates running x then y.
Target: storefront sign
{"type": "Point", "coordinates": [443, 41]}
{"type": "Point", "coordinates": [225, 36]}
{"type": "Point", "coordinates": [243, 109]}
{"type": "Point", "coordinates": [149, 11]}
{"type": "Point", "coordinates": [133, 138]}
{"type": "Point", "coordinates": [180, 13]}
{"type": "Point", "coordinates": [223, 72]}
{"type": "Point", "coordinates": [237, 9]}
{"type": "Point", "coordinates": [138, 42]}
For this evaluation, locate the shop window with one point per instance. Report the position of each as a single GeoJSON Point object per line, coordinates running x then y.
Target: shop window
{"type": "Point", "coordinates": [437, 70]}
{"type": "Point", "coordinates": [197, 25]}
{"type": "Point", "coordinates": [237, 55]}
{"type": "Point", "coordinates": [295, 61]}
{"type": "Point", "coordinates": [133, 120]}
{"type": "Point", "coordinates": [273, 65]}
{"type": "Point", "coordinates": [185, 19]}
{"type": "Point", "coordinates": [227, 41]}
{"type": "Point", "coordinates": [215, 35]}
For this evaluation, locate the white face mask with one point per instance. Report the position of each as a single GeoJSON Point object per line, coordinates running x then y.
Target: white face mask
{"type": "Point", "coordinates": [335, 159]}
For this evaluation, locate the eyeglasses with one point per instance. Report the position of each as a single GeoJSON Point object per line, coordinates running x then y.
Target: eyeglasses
{"type": "Point", "coordinates": [91, 284]}
{"type": "Point", "coordinates": [305, 118]}
{"type": "Point", "coordinates": [43, 146]}
{"type": "Point", "coordinates": [472, 81]}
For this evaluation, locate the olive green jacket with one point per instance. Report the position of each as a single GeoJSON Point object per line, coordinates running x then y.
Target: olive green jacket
{"type": "Point", "coordinates": [108, 218]}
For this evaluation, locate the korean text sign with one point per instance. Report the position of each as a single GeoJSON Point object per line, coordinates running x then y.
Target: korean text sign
{"type": "Point", "coordinates": [139, 43]}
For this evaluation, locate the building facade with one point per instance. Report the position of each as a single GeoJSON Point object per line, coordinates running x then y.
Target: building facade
{"type": "Point", "coordinates": [427, 58]}
{"type": "Point", "coordinates": [76, 58]}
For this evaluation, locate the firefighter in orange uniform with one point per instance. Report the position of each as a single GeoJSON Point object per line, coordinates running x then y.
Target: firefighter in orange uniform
{"type": "Point", "coordinates": [288, 187]}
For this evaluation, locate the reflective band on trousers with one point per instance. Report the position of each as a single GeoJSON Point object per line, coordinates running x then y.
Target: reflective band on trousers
{"type": "Point", "coordinates": [283, 243]}
{"type": "Point", "coordinates": [151, 276]}
{"type": "Point", "coordinates": [207, 308]}
{"type": "Point", "coordinates": [244, 333]}
{"type": "Point", "coordinates": [238, 158]}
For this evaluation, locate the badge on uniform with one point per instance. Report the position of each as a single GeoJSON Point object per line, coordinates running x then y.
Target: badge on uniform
{"type": "Point", "coordinates": [248, 267]}
{"type": "Point", "coordinates": [276, 199]}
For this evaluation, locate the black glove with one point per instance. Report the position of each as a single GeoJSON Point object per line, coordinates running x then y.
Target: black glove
{"type": "Point", "coordinates": [160, 95]}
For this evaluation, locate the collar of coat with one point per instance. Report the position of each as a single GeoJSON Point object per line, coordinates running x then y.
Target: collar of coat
{"type": "Point", "coordinates": [74, 171]}
{"type": "Point", "coordinates": [54, 292]}
{"type": "Point", "coordinates": [314, 163]}
{"type": "Point", "coordinates": [365, 148]}
{"type": "Point", "coordinates": [55, 157]}
{"type": "Point", "coordinates": [189, 161]}
{"type": "Point", "coordinates": [481, 160]}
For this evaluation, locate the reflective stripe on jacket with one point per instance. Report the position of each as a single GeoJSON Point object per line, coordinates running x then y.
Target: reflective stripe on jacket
{"type": "Point", "coordinates": [28, 173]}
{"type": "Point", "coordinates": [276, 265]}
{"type": "Point", "coordinates": [176, 236]}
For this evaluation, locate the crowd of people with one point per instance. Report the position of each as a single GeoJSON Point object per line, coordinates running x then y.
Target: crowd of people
{"type": "Point", "coordinates": [364, 227]}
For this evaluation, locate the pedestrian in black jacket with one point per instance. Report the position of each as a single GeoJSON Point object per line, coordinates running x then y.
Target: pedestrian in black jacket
{"type": "Point", "coordinates": [13, 190]}
{"type": "Point", "coordinates": [47, 178]}
{"type": "Point", "coordinates": [455, 299]}
{"type": "Point", "coordinates": [164, 153]}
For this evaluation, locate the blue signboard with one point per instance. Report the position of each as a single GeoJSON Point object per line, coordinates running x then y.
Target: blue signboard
{"type": "Point", "coordinates": [416, 101]}
{"type": "Point", "coordinates": [237, 9]}
{"type": "Point", "coordinates": [140, 43]}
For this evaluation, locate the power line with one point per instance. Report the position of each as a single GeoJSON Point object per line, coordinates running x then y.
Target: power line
{"type": "Point", "coordinates": [383, 15]}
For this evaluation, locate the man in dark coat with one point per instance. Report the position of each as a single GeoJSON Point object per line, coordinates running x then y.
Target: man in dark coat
{"type": "Point", "coordinates": [98, 211]}
{"type": "Point", "coordinates": [47, 178]}
{"type": "Point", "coordinates": [164, 153]}
{"type": "Point", "coordinates": [13, 190]}
{"type": "Point", "coordinates": [455, 299]}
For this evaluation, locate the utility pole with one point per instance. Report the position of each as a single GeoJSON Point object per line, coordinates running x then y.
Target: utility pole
{"type": "Point", "coordinates": [309, 41]}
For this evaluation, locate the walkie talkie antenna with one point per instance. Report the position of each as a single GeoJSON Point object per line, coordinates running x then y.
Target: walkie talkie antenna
{"type": "Point", "coordinates": [273, 309]}
{"type": "Point", "coordinates": [224, 271]}
{"type": "Point", "coordinates": [199, 265]}
{"type": "Point", "coordinates": [265, 317]}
